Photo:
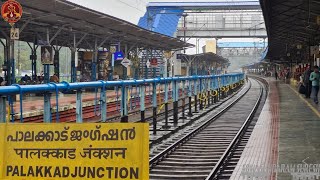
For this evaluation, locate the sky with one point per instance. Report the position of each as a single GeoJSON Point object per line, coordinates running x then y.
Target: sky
{"type": "Point", "coordinates": [129, 10]}
{"type": "Point", "coordinates": [132, 10]}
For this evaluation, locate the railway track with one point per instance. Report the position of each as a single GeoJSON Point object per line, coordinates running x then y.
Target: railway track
{"type": "Point", "coordinates": [209, 151]}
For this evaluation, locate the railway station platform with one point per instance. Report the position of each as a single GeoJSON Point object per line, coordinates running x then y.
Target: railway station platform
{"type": "Point", "coordinates": [284, 143]}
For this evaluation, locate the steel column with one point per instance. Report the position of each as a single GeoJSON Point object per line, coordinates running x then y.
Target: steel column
{"type": "Point", "coordinates": [79, 118]}
{"type": "Point", "coordinates": [47, 107]}
{"type": "Point", "coordinates": [47, 95]}
{"type": "Point", "coordinates": [142, 99]}
{"type": "Point", "coordinates": [190, 99]}
{"type": "Point", "coordinates": [175, 102]}
{"type": "Point", "coordinates": [94, 62]}
{"type": "Point", "coordinates": [103, 100]}
{"type": "Point", "coordinates": [154, 108]}
{"type": "Point", "coordinates": [202, 98]}
{"type": "Point", "coordinates": [73, 60]}
{"type": "Point", "coordinates": [195, 96]}
{"type": "Point", "coordinates": [124, 109]}
{"type": "Point", "coordinates": [166, 94]}
{"type": "Point", "coordinates": [183, 100]}
{"type": "Point", "coordinates": [3, 109]}
{"type": "Point", "coordinates": [56, 64]}
{"type": "Point", "coordinates": [147, 69]}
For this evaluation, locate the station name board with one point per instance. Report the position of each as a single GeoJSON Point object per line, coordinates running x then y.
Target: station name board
{"type": "Point", "coordinates": [74, 151]}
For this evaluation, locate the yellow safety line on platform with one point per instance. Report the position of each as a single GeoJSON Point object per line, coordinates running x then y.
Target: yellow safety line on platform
{"type": "Point", "coordinates": [308, 103]}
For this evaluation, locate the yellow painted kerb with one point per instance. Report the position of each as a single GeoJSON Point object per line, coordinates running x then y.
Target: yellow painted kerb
{"type": "Point", "coordinates": [308, 103]}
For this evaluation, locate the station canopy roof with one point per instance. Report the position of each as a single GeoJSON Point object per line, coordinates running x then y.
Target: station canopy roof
{"type": "Point", "coordinates": [209, 56]}
{"type": "Point", "coordinates": [68, 18]}
{"type": "Point", "coordinates": [290, 23]}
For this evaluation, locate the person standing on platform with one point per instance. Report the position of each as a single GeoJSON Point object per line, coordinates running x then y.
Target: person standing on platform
{"type": "Point", "coordinates": [315, 78]}
{"type": "Point", "coordinates": [54, 78]}
{"type": "Point", "coordinates": [306, 81]}
{"type": "Point", "coordinates": [276, 75]}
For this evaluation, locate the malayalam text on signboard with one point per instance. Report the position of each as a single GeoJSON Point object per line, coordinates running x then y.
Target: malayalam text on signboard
{"type": "Point", "coordinates": [74, 151]}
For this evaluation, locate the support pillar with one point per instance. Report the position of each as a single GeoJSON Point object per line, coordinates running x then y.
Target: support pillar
{"type": "Point", "coordinates": [47, 95]}
{"type": "Point", "coordinates": [56, 63]}
{"type": "Point", "coordinates": [142, 101]}
{"type": "Point", "coordinates": [195, 97]}
{"type": "Point", "coordinates": [124, 109]}
{"type": "Point", "coordinates": [202, 98]}
{"type": "Point", "coordinates": [79, 118]}
{"type": "Point", "coordinates": [175, 102]}
{"type": "Point", "coordinates": [147, 69]}
{"type": "Point", "coordinates": [94, 62]}
{"type": "Point", "coordinates": [154, 108]}
{"type": "Point", "coordinates": [183, 100]}
{"type": "Point", "coordinates": [124, 69]}
{"type": "Point", "coordinates": [3, 109]}
{"type": "Point", "coordinates": [190, 99]}
{"type": "Point", "coordinates": [5, 64]}
{"type": "Point", "coordinates": [73, 60]}
{"type": "Point", "coordinates": [12, 63]}
{"type": "Point", "coordinates": [103, 100]}
{"type": "Point", "coordinates": [166, 111]}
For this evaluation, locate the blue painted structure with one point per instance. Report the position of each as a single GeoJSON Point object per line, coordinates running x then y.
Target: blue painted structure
{"type": "Point", "coordinates": [242, 44]}
{"type": "Point", "coordinates": [163, 17]}
{"type": "Point", "coordinates": [195, 85]}
{"type": "Point", "coordinates": [161, 21]}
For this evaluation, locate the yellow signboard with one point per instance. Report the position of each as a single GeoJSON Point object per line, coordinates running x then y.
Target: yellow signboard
{"type": "Point", "coordinates": [74, 151]}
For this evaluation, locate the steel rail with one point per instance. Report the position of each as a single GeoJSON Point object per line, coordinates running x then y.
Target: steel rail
{"type": "Point", "coordinates": [236, 139]}
{"type": "Point", "coordinates": [172, 147]}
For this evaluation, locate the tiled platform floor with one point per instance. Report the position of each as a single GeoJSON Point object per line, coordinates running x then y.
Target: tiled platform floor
{"type": "Point", "coordinates": [287, 133]}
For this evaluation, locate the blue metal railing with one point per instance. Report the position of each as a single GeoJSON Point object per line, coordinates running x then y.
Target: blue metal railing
{"type": "Point", "coordinates": [192, 85]}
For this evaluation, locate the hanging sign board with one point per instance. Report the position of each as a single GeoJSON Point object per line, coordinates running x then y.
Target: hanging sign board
{"type": "Point", "coordinates": [14, 33]}
{"type": "Point", "coordinates": [113, 49]}
{"type": "Point", "coordinates": [154, 62]}
{"type": "Point", "coordinates": [179, 56]}
{"type": "Point", "coordinates": [126, 62]}
{"type": "Point", "coordinates": [118, 55]}
{"type": "Point", "coordinates": [46, 55]}
{"type": "Point", "coordinates": [87, 56]}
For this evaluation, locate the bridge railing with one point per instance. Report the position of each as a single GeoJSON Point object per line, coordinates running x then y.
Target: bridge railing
{"type": "Point", "coordinates": [130, 94]}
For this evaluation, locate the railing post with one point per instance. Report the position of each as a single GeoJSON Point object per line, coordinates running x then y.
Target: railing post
{"type": "Point", "coordinates": [212, 90]}
{"type": "Point", "coordinates": [175, 102]}
{"type": "Point", "coordinates": [183, 100]}
{"type": "Point", "coordinates": [201, 92]}
{"type": "Point", "coordinates": [3, 109]}
{"type": "Point", "coordinates": [215, 88]}
{"type": "Point", "coordinates": [103, 100]}
{"type": "Point", "coordinates": [218, 89]}
{"type": "Point", "coordinates": [79, 118]}
{"type": "Point", "coordinates": [142, 99]}
{"type": "Point", "coordinates": [154, 107]}
{"type": "Point", "coordinates": [166, 94]}
{"type": "Point", "coordinates": [196, 96]}
{"type": "Point", "coordinates": [190, 99]}
{"type": "Point", "coordinates": [208, 91]}
{"type": "Point", "coordinates": [124, 105]}
{"type": "Point", "coordinates": [47, 108]}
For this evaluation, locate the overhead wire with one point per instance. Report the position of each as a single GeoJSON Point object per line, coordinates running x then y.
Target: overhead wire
{"type": "Point", "coordinates": [131, 6]}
